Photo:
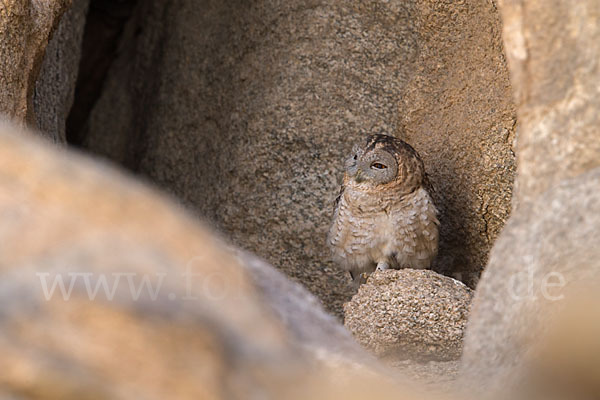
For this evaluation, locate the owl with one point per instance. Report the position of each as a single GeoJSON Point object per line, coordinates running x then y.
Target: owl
{"type": "Point", "coordinates": [384, 216]}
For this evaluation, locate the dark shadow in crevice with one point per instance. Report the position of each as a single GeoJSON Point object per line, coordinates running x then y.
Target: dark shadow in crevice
{"type": "Point", "coordinates": [104, 28]}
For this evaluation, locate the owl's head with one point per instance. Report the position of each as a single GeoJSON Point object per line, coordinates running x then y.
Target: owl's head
{"type": "Point", "coordinates": [385, 160]}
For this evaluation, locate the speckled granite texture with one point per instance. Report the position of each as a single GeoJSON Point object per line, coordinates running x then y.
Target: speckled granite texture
{"type": "Point", "coordinates": [410, 314]}
{"type": "Point", "coordinates": [55, 86]}
{"type": "Point", "coordinates": [246, 110]}
{"type": "Point", "coordinates": [25, 28]}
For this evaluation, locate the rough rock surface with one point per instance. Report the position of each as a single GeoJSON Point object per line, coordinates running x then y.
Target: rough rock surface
{"type": "Point", "coordinates": [407, 313]}
{"type": "Point", "coordinates": [437, 375]}
{"type": "Point", "coordinates": [25, 28]}
{"type": "Point", "coordinates": [552, 239]}
{"type": "Point", "coordinates": [55, 86]}
{"type": "Point", "coordinates": [246, 110]}
{"type": "Point", "coordinates": [555, 73]}
{"type": "Point", "coordinates": [547, 246]}
{"type": "Point", "coordinates": [457, 112]}
{"type": "Point", "coordinates": [198, 328]}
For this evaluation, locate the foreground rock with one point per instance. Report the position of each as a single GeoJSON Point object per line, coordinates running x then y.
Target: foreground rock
{"type": "Point", "coordinates": [264, 99]}
{"type": "Point", "coordinates": [565, 362]}
{"type": "Point", "coordinates": [416, 314]}
{"type": "Point", "coordinates": [548, 246]}
{"type": "Point", "coordinates": [551, 241]}
{"type": "Point", "coordinates": [553, 50]}
{"type": "Point", "coordinates": [178, 316]}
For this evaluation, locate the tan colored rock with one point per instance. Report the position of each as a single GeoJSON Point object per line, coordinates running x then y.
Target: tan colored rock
{"type": "Point", "coordinates": [565, 362]}
{"type": "Point", "coordinates": [456, 110]}
{"type": "Point", "coordinates": [553, 48]}
{"type": "Point", "coordinates": [202, 329]}
{"type": "Point", "coordinates": [246, 111]}
{"type": "Point", "coordinates": [551, 240]}
{"type": "Point", "coordinates": [410, 314]}
{"type": "Point", "coordinates": [548, 245]}
{"type": "Point", "coordinates": [25, 28]}
{"type": "Point", "coordinates": [55, 86]}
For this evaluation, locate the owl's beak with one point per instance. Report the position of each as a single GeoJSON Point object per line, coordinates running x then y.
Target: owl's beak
{"type": "Point", "coordinates": [359, 176]}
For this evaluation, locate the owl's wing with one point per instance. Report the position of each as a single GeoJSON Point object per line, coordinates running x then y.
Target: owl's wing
{"type": "Point", "coordinates": [338, 198]}
{"type": "Point", "coordinates": [430, 189]}
{"type": "Point", "coordinates": [427, 184]}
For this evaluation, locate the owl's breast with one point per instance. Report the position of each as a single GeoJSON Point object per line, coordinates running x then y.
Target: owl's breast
{"type": "Point", "coordinates": [370, 229]}
{"type": "Point", "coordinates": [361, 228]}
{"type": "Point", "coordinates": [350, 230]}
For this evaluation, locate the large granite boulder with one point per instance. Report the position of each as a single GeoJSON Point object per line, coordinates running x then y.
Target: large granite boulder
{"type": "Point", "coordinates": [551, 241]}
{"type": "Point", "coordinates": [109, 290]}
{"type": "Point", "coordinates": [246, 110]}
{"type": "Point", "coordinates": [25, 28]}
{"type": "Point", "coordinates": [410, 314]}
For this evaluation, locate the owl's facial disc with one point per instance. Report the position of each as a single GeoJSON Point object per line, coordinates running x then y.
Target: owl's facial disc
{"type": "Point", "coordinates": [377, 167]}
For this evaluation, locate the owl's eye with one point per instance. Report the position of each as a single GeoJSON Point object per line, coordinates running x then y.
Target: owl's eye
{"type": "Point", "coordinates": [355, 157]}
{"type": "Point", "coordinates": [378, 166]}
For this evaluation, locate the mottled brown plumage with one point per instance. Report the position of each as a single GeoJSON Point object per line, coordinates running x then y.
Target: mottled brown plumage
{"type": "Point", "coordinates": [384, 216]}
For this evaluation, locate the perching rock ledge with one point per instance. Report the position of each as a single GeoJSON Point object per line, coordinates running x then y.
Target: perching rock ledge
{"type": "Point", "coordinates": [410, 314]}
